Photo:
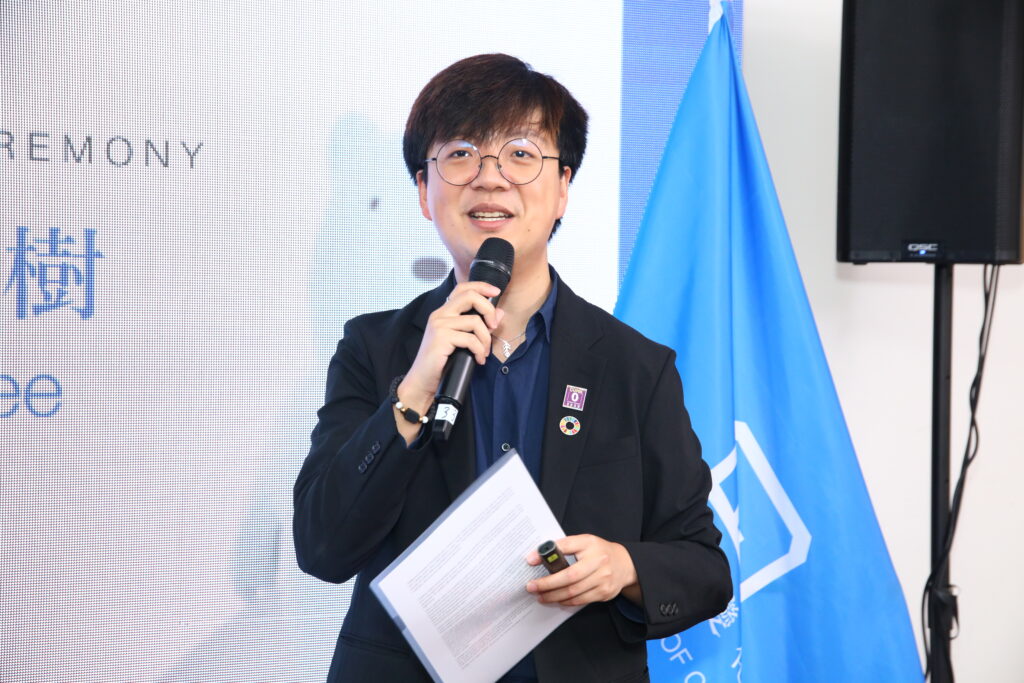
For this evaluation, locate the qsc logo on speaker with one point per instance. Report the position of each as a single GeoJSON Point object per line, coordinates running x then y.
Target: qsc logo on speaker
{"type": "Point", "coordinates": [919, 250]}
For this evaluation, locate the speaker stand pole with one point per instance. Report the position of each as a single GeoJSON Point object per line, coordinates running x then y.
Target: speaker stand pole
{"type": "Point", "coordinates": [940, 611]}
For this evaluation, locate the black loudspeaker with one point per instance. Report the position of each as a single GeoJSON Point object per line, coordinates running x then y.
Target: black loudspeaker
{"type": "Point", "coordinates": [930, 131]}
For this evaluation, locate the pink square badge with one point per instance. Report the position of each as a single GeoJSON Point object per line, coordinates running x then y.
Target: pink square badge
{"type": "Point", "coordinates": [575, 397]}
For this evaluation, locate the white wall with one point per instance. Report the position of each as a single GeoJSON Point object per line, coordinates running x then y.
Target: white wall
{"type": "Point", "coordinates": [875, 324]}
{"type": "Point", "coordinates": [145, 522]}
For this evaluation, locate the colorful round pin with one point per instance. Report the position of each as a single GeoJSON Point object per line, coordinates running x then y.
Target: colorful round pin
{"type": "Point", "coordinates": [569, 425]}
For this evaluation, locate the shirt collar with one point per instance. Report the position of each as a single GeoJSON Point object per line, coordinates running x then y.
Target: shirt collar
{"type": "Point", "coordinates": [546, 312]}
{"type": "Point", "coordinates": [547, 309]}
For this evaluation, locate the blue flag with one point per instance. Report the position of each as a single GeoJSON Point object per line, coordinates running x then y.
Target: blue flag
{"type": "Point", "coordinates": [713, 276]}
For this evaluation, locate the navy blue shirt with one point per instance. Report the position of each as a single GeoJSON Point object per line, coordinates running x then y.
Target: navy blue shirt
{"type": "Point", "coordinates": [510, 396]}
{"type": "Point", "coordinates": [509, 401]}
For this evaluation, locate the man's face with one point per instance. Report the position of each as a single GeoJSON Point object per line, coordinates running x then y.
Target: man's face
{"type": "Point", "coordinates": [491, 206]}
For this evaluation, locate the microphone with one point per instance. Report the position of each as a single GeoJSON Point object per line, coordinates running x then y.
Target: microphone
{"type": "Point", "coordinates": [493, 265]}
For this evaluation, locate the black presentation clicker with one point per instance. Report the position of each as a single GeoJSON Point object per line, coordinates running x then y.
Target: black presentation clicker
{"type": "Point", "coordinates": [552, 557]}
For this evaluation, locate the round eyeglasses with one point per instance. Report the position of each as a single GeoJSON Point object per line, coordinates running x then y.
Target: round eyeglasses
{"type": "Point", "coordinates": [519, 161]}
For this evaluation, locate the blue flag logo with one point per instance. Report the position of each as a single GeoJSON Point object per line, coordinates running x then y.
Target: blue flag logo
{"type": "Point", "coordinates": [713, 275]}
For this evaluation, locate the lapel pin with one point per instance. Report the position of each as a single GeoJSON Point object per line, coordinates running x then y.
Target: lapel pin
{"type": "Point", "coordinates": [575, 397]}
{"type": "Point", "coordinates": [569, 425]}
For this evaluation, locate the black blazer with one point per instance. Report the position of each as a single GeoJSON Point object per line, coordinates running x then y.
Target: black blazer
{"type": "Point", "coordinates": [632, 475]}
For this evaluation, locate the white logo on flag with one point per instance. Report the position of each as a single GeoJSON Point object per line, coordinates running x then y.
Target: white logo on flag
{"type": "Point", "coordinates": [726, 618]}
{"type": "Point", "coordinates": [730, 516]}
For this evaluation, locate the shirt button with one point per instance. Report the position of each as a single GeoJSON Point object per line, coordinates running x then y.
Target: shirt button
{"type": "Point", "coordinates": [504, 369]}
{"type": "Point", "coordinates": [505, 448]}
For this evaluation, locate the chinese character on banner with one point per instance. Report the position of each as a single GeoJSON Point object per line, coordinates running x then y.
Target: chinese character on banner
{"type": "Point", "coordinates": [53, 272]}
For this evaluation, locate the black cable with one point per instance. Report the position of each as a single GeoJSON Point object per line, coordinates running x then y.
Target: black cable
{"type": "Point", "coordinates": [990, 285]}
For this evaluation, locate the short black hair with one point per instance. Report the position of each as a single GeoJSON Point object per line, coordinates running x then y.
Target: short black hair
{"type": "Point", "coordinates": [479, 96]}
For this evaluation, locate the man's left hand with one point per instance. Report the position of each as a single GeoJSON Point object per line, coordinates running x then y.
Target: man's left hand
{"type": "Point", "coordinates": [602, 571]}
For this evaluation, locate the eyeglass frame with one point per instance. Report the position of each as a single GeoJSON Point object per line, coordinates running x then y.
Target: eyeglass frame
{"type": "Point", "coordinates": [480, 166]}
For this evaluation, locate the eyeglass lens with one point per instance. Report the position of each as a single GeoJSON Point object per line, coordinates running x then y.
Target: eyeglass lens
{"type": "Point", "coordinates": [519, 161]}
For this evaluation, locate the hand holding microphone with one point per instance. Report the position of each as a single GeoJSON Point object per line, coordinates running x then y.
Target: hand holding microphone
{"type": "Point", "coordinates": [456, 334]}
{"type": "Point", "coordinates": [492, 265]}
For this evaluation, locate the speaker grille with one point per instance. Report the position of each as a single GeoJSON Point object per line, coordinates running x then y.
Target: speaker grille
{"type": "Point", "coordinates": [930, 131]}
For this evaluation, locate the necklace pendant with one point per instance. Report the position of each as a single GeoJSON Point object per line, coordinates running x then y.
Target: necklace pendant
{"type": "Point", "coordinates": [506, 348]}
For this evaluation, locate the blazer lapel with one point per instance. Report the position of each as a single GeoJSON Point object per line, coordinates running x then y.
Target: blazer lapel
{"type": "Point", "coordinates": [456, 456]}
{"type": "Point", "coordinates": [574, 331]}
{"type": "Point", "coordinates": [429, 303]}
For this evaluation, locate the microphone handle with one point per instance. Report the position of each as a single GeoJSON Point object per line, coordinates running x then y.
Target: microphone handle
{"type": "Point", "coordinates": [454, 387]}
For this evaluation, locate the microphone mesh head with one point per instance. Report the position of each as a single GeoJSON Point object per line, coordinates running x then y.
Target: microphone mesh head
{"type": "Point", "coordinates": [493, 263]}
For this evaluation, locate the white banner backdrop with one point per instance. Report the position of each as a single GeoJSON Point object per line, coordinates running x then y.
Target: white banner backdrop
{"type": "Point", "coordinates": [195, 197]}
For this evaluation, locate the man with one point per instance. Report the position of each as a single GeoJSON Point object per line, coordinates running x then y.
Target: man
{"type": "Point", "coordinates": [493, 146]}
